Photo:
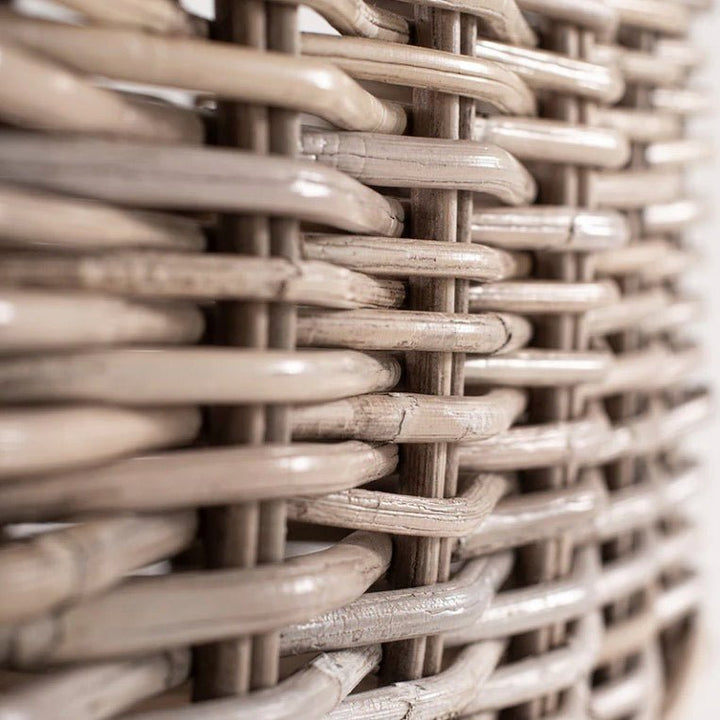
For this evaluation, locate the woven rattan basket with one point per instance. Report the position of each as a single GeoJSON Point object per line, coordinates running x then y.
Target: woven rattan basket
{"type": "Point", "coordinates": [344, 375]}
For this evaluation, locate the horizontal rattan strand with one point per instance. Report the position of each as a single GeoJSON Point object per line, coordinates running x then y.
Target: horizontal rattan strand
{"type": "Point", "coordinates": [542, 296]}
{"type": "Point", "coordinates": [459, 688]}
{"type": "Point", "coordinates": [636, 692]}
{"type": "Point", "coordinates": [36, 321]}
{"type": "Point", "coordinates": [553, 141]}
{"type": "Point", "coordinates": [379, 511]}
{"type": "Point", "coordinates": [550, 228]}
{"type": "Point", "coordinates": [548, 71]}
{"type": "Point", "coordinates": [207, 375]}
{"type": "Point", "coordinates": [498, 18]}
{"type": "Point", "coordinates": [678, 314]}
{"type": "Point", "coordinates": [409, 417]}
{"type": "Point", "coordinates": [594, 15]}
{"type": "Point", "coordinates": [530, 517]}
{"type": "Point", "coordinates": [656, 429]}
{"type": "Point", "coordinates": [196, 178]}
{"type": "Point", "coordinates": [34, 220]}
{"type": "Point", "coordinates": [587, 441]}
{"type": "Point", "coordinates": [393, 161]}
{"type": "Point", "coordinates": [586, 511]}
{"type": "Point", "coordinates": [197, 277]}
{"type": "Point", "coordinates": [360, 18]}
{"type": "Point", "coordinates": [678, 152]}
{"type": "Point", "coordinates": [671, 217]}
{"type": "Point", "coordinates": [680, 101]}
{"type": "Point", "coordinates": [38, 94]}
{"type": "Point", "coordinates": [640, 126]}
{"type": "Point", "coordinates": [680, 50]}
{"type": "Point", "coordinates": [448, 692]}
{"type": "Point", "coordinates": [393, 330]}
{"type": "Point", "coordinates": [533, 446]}
{"type": "Point", "coordinates": [96, 692]}
{"type": "Point", "coordinates": [160, 16]}
{"type": "Point", "coordinates": [228, 71]}
{"type": "Point", "coordinates": [412, 66]}
{"type": "Point", "coordinates": [81, 560]}
{"type": "Point", "coordinates": [308, 694]}
{"type": "Point", "coordinates": [630, 311]}
{"type": "Point", "coordinates": [37, 440]}
{"type": "Point", "coordinates": [650, 370]}
{"type": "Point", "coordinates": [638, 67]}
{"type": "Point", "coordinates": [651, 259]}
{"type": "Point", "coordinates": [663, 17]}
{"type": "Point", "coordinates": [136, 617]}
{"type": "Point", "coordinates": [405, 612]}
{"type": "Point", "coordinates": [633, 189]}
{"type": "Point", "coordinates": [524, 609]}
{"type": "Point", "coordinates": [400, 257]}
{"type": "Point", "coordinates": [169, 480]}
{"type": "Point", "coordinates": [538, 368]}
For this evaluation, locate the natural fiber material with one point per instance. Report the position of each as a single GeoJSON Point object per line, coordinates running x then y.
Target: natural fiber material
{"type": "Point", "coordinates": [345, 376]}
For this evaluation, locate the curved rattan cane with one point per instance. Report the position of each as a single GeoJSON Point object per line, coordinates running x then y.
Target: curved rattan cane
{"type": "Point", "coordinates": [345, 375]}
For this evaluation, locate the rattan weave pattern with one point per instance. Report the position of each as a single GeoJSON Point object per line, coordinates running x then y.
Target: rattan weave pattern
{"type": "Point", "coordinates": [345, 376]}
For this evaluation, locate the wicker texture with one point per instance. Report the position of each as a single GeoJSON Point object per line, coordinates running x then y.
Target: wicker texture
{"type": "Point", "coordinates": [345, 376]}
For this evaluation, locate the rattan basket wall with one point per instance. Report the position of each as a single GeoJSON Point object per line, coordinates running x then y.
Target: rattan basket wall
{"type": "Point", "coordinates": [345, 376]}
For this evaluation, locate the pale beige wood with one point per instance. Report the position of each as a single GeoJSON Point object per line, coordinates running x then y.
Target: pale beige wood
{"type": "Point", "coordinates": [36, 440]}
{"type": "Point", "coordinates": [405, 612]}
{"type": "Point", "coordinates": [390, 161]}
{"type": "Point", "coordinates": [679, 50]}
{"type": "Point", "coordinates": [169, 480]}
{"type": "Point", "coordinates": [550, 228]}
{"type": "Point", "coordinates": [41, 95]}
{"type": "Point", "coordinates": [360, 18]}
{"type": "Point", "coordinates": [450, 691]}
{"type": "Point", "coordinates": [554, 141]}
{"type": "Point", "coordinates": [150, 376]}
{"type": "Point", "coordinates": [411, 66]}
{"type": "Point", "coordinates": [209, 605]}
{"type": "Point", "coordinates": [632, 189]}
{"type": "Point", "coordinates": [537, 296]}
{"type": "Point", "coordinates": [678, 152]}
{"type": "Point", "coordinates": [156, 275]}
{"type": "Point", "coordinates": [669, 18]}
{"type": "Point", "coordinates": [399, 257]}
{"type": "Point", "coordinates": [677, 314]}
{"type": "Point", "coordinates": [521, 519]}
{"type": "Point", "coordinates": [594, 15]}
{"type": "Point", "coordinates": [34, 220]}
{"type": "Point", "coordinates": [409, 417]}
{"type": "Point", "coordinates": [405, 330]}
{"type": "Point", "coordinates": [307, 694]}
{"type": "Point", "coordinates": [671, 217]}
{"type": "Point", "coordinates": [646, 68]}
{"type": "Point", "coordinates": [228, 71]}
{"type": "Point", "coordinates": [547, 71]}
{"type": "Point", "coordinates": [639, 125]}
{"type": "Point", "coordinates": [652, 369]}
{"type": "Point", "coordinates": [161, 16]}
{"type": "Point", "coordinates": [538, 368]}
{"type": "Point", "coordinates": [66, 565]}
{"type": "Point", "coordinates": [516, 611]}
{"type": "Point", "coordinates": [629, 311]}
{"type": "Point", "coordinates": [36, 320]}
{"type": "Point", "coordinates": [526, 447]}
{"type": "Point", "coordinates": [680, 101]}
{"type": "Point", "coordinates": [197, 179]}
{"type": "Point", "coordinates": [498, 18]}
{"type": "Point", "coordinates": [652, 259]}
{"type": "Point", "coordinates": [95, 692]}
{"type": "Point", "coordinates": [379, 511]}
